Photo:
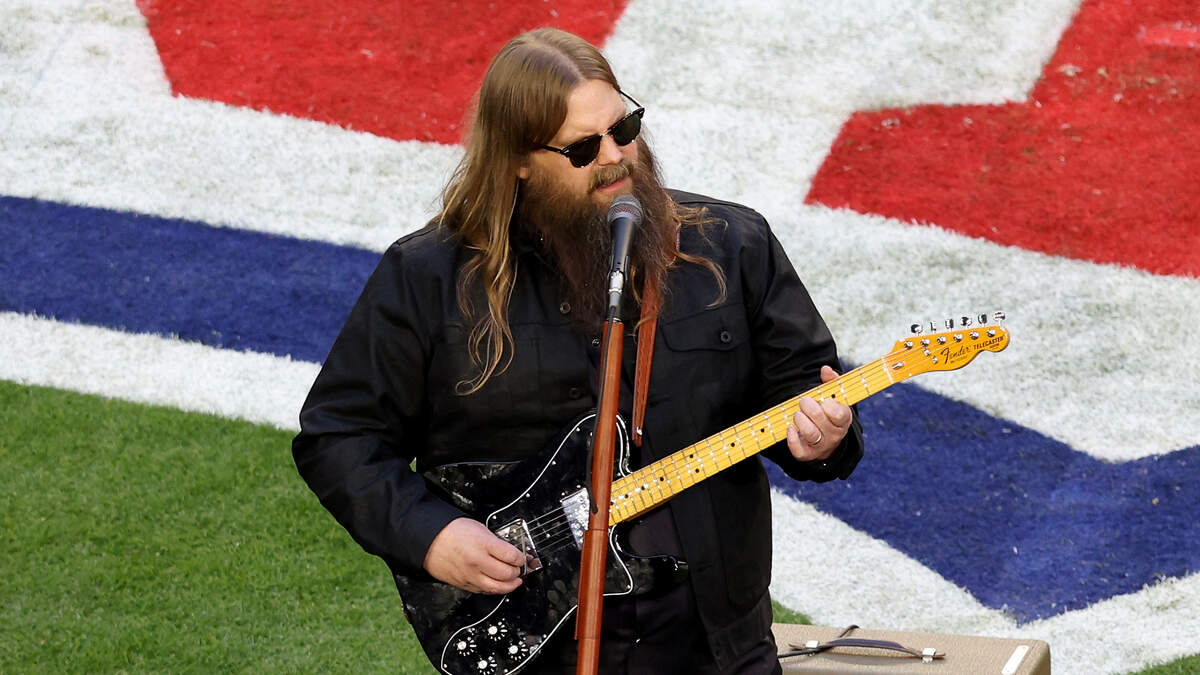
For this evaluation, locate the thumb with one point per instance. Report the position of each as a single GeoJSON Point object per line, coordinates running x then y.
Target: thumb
{"type": "Point", "coordinates": [828, 374]}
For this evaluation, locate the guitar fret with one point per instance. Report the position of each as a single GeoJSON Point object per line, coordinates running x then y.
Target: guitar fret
{"type": "Point", "coordinates": [674, 473]}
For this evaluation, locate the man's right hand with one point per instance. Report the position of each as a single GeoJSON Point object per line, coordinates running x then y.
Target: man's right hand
{"type": "Point", "coordinates": [466, 554]}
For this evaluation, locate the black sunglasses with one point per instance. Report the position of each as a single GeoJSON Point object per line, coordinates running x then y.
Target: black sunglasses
{"type": "Point", "coordinates": [583, 151]}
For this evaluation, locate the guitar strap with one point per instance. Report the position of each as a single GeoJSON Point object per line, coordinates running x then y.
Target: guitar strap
{"type": "Point", "coordinates": [645, 355]}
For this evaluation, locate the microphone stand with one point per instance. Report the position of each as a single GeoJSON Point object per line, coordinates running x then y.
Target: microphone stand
{"type": "Point", "coordinates": [595, 538]}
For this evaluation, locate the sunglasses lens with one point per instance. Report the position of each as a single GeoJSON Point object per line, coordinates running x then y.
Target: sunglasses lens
{"type": "Point", "coordinates": [583, 152]}
{"type": "Point", "coordinates": [627, 129]}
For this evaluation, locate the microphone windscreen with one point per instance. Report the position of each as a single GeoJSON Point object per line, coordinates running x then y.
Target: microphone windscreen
{"type": "Point", "coordinates": [625, 205]}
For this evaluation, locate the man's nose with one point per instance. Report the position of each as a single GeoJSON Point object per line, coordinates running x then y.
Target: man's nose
{"type": "Point", "coordinates": [610, 152]}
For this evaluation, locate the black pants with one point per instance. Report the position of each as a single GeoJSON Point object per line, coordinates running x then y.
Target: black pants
{"type": "Point", "coordinates": [657, 633]}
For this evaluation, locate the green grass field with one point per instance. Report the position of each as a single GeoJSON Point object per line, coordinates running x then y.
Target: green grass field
{"type": "Point", "coordinates": [142, 539]}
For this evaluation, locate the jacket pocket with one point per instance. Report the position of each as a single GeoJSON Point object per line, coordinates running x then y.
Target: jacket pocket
{"type": "Point", "coordinates": [719, 329]}
{"type": "Point", "coordinates": [707, 358]}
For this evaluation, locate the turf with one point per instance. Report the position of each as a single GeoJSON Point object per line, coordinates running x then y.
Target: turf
{"type": "Point", "coordinates": [1185, 666]}
{"type": "Point", "coordinates": [143, 539]}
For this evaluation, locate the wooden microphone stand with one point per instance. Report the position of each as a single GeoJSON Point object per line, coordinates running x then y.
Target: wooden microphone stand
{"type": "Point", "coordinates": [592, 564]}
{"type": "Point", "coordinates": [595, 539]}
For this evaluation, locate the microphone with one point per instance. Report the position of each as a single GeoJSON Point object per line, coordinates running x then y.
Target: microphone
{"type": "Point", "coordinates": [624, 216]}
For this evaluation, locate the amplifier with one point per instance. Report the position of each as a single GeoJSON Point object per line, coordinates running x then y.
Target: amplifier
{"type": "Point", "coordinates": [842, 651]}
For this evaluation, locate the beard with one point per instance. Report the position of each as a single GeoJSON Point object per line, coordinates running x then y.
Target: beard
{"type": "Point", "coordinates": [575, 234]}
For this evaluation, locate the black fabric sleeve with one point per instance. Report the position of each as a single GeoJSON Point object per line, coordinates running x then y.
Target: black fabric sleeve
{"type": "Point", "coordinates": [360, 428]}
{"type": "Point", "coordinates": [791, 343]}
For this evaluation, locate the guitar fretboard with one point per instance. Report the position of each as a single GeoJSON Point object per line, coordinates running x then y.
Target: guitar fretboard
{"type": "Point", "coordinates": [655, 483]}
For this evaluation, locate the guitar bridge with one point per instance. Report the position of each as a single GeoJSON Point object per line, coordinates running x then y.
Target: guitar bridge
{"type": "Point", "coordinates": [517, 534]}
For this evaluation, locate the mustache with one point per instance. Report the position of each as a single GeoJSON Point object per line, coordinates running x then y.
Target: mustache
{"type": "Point", "coordinates": [610, 174]}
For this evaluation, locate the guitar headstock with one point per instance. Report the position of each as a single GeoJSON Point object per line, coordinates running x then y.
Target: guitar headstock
{"type": "Point", "coordinates": [949, 350]}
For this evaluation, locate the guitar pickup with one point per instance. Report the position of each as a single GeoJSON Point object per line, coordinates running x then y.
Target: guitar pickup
{"type": "Point", "coordinates": [577, 509]}
{"type": "Point", "coordinates": [517, 534]}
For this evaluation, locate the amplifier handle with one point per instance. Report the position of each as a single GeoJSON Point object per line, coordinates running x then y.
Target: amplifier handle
{"type": "Point", "coordinates": [814, 647]}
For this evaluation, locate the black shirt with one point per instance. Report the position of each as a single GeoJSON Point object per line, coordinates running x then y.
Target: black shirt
{"type": "Point", "coordinates": [386, 398]}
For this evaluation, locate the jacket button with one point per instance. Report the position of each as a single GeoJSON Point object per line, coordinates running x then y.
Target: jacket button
{"type": "Point", "coordinates": [595, 343]}
{"type": "Point", "coordinates": [574, 392]}
{"type": "Point", "coordinates": [726, 338]}
{"type": "Point", "coordinates": [564, 308]}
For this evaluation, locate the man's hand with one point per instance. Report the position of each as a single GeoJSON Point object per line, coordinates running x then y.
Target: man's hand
{"type": "Point", "coordinates": [467, 555]}
{"type": "Point", "coordinates": [817, 430]}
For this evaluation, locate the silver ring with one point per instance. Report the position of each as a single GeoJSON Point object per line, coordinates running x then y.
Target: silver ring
{"type": "Point", "coordinates": [820, 437]}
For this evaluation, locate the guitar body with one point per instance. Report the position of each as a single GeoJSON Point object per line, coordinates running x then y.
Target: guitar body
{"type": "Point", "coordinates": [540, 506]}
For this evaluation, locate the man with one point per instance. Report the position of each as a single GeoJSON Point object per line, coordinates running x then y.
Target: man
{"type": "Point", "coordinates": [476, 340]}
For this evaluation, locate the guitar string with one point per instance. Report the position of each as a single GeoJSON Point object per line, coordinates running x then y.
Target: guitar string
{"type": "Point", "coordinates": [879, 378]}
{"type": "Point", "coordinates": [674, 466]}
{"type": "Point", "coordinates": [554, 543]}
{"type": "Point", "coordinates": [872, 377]}
{"type": "Point", "coordinates": [557, 540]}
{"type": "Point", "coordinates": [553, 524]}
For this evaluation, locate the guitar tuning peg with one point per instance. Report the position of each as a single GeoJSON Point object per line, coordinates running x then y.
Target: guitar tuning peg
{"type": "Point", "coordinates": [998, 317]}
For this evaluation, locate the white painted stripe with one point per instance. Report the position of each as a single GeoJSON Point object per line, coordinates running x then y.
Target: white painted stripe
{"type": "Point", "coordinates": [89, 120]}
{"type": "Point", "coordinates": [1102, 358]}
{"type": "Point", "coordinates": [258, 388]}
{"type": "Point", "coordinates": [1082, 350]}
{"type": "Point", "coordinates": [839, 576]}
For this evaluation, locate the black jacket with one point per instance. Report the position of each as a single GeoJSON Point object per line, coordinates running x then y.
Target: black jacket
{"type": "Point", "coordinates": [386, 396]}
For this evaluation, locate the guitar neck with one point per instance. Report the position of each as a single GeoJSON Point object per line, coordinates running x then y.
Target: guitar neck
{"type": "Point", "coordinates": [655, 483]}
{"type": "Point", "coordinates": [652, 485]}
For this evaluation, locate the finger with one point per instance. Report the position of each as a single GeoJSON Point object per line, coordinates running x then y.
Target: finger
{"type": "Point", "coordinates": [800, 448]}
{"type": "Point", "coordinates": [807, 430]}
{"type": "Point", "coordinates": [498, 569]}
{"type": "Point", "coordinates": [505, 552]}
{"type": "Point", "coordinates": [838, 413]}
{"type": "Point", "coordinates": [797, 446]}
{"type": "Point", "coordinates": [828, 374]}
{"type": "Point", "coordinates": [494, 587]}
{"type": "Point", "coordinates": [815, 413]}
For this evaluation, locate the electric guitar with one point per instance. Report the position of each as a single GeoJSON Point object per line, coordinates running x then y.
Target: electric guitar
{"type": "Point", "coordinates": [546, 515]}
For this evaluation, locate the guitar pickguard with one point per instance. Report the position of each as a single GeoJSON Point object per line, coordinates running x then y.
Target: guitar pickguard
{"type": "Point", "coordinates": [465, 633]}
